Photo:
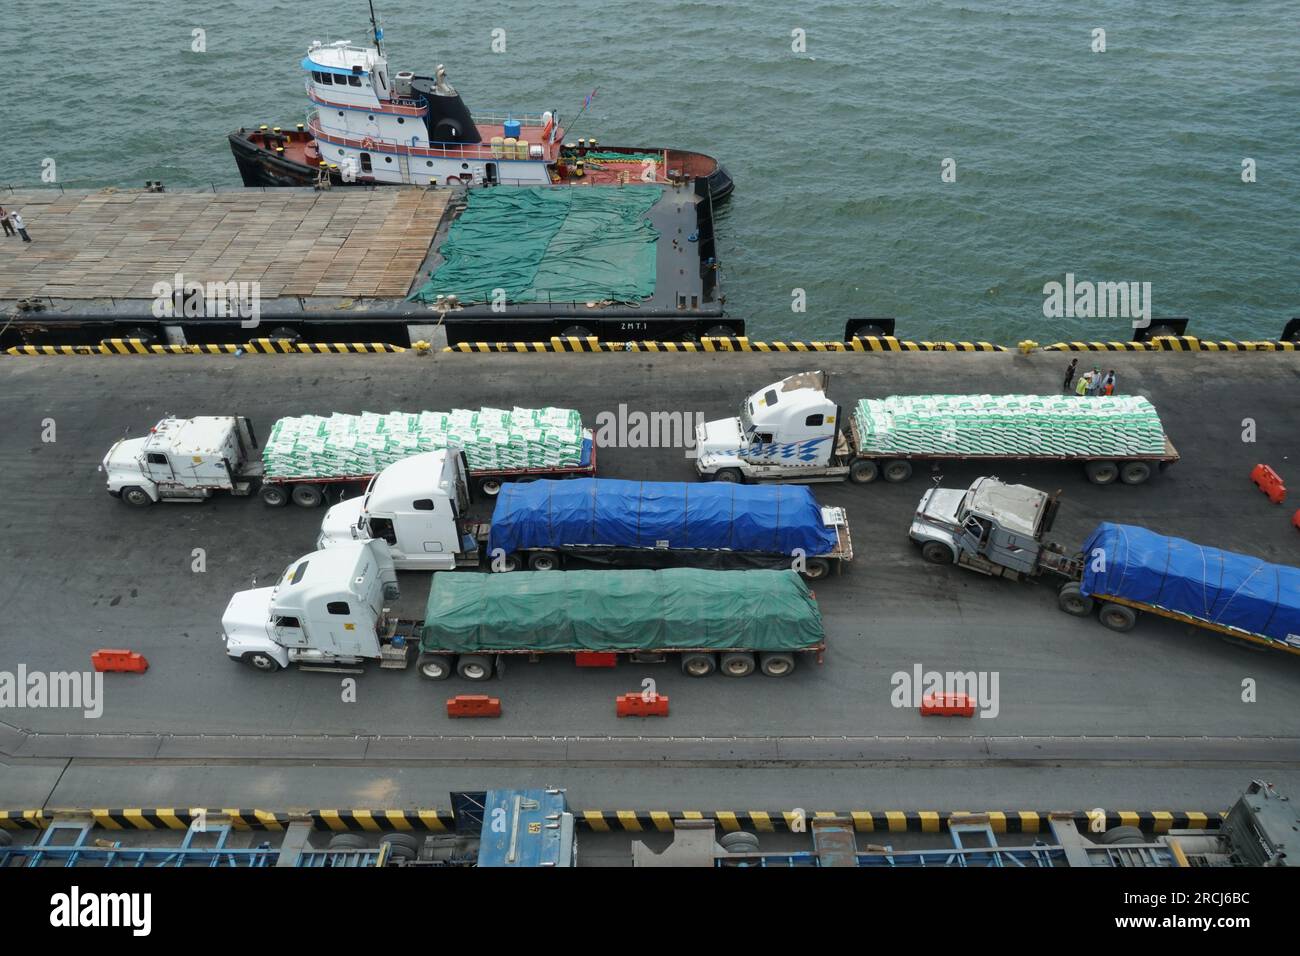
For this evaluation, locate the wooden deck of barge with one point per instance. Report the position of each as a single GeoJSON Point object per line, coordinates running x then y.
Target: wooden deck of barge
{"type": "Point", "coordinates": [95, 244]}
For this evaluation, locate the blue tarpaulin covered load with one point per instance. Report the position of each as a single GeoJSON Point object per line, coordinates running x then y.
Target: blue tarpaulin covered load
{"type": "Point", "coordinates": [1218, 587]}
{"type": "Point", "coordinates": [604, 512]}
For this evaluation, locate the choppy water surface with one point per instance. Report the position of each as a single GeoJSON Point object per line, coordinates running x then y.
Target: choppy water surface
{"type": "Point", "coordinates": [1115, 166]}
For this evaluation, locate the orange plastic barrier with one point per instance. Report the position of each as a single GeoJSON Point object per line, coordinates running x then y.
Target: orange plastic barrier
{"type": "Point", "coordinates": [108, 659]}
{"type": "Point", "coordinates": [473, 705]}
{"type": "Point", "coordinates": [1270, 482]}
{"type": "Point", "coordinates": [636, 705]}
{"type": "Point", "coordinates": [596, 658]}
{"type": "Point", "coordinates": [1295, 519]}
{"type": "Point", "coordinates": [947, 705]}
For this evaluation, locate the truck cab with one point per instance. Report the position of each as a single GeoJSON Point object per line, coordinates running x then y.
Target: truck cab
{"type": "Point", "coordinates": [991, 527]}
{"type": "Point", "coordinates": [789, 429]}
{"type": "Point", "coordinates": [327, 607]}
{"type": "Point", "coordinates": [184, 459]}
{"type": "Point", "coordinates": [415, 508]}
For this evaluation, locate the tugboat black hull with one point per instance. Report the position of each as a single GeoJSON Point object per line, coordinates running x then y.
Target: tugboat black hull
{"type": "Point", "coordinates": [259, 166]}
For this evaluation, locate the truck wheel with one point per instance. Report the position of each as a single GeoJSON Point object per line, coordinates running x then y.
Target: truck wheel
{"type": "Point", "coordinates": [729, 475]}
{"type": "Point", "coordinates": [401, 846]}
{"type": "Point", "coordinates": [136, 497]}
{"type": "Point", "coordinates": [898, 470]}
{"type": "Point", "coordinates": [307, 496]}
{"type": "Point", "coordinates": [274, 495]}
{"type": "Point", "coordinates": [739, 841]}
{"type": "Point", "coordinates": [776, 665]}
{"type": "Point", "coordinates": [435, 666]}
{"type": "Point", "coordinates": [1135, 472]}
{"type": "Point", "coordinates": [475, 667]}
{"type": "Point", "coordinates": [737, 664]}
{"type": "Point", "coordinates": [261, 662]}
{"type": "Point", "coordinates": [936, 552]}
{"type": "Point", "coordinates": [698, 665]}
{"type": "Point", "coordinates": [1117, 617]}
{"type": "Point", "coordinates": [1101, 472]}
{"type": "Point", "coordinates": [1073, 601]}
{"type": "Point", "coordinates": [543, 561]}
{"type": "Point", "coordinates": [509, 562]}
{"type": "Point", "coordinates": [863, 471]}
{"type": "Point", "coordinates": [490, 486]}
{"type": "Point", "coordinates": [1121, 836]}
{"type": "Point", "coordinates": [348, 841]}
{"type": "Point", "coordinates": [815, 569]}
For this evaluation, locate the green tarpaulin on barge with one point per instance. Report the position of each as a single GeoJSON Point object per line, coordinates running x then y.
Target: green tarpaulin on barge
{"type": "Point", "coordinates": [620, 610]}
{"type": "Point", "coordinates": [543, 244]}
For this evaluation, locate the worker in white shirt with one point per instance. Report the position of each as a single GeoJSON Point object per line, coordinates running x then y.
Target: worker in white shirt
{"type": "Point", "coordinates": [16, 218]}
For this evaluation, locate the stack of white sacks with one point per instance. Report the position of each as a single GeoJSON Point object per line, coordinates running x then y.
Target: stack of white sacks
{"type": "Point", "coordinates": [492, 439]}
{"type": "Point", "coordinates": [1011, 425]}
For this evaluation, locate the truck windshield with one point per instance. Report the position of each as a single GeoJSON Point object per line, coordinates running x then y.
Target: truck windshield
{"type": "Point", "coordinates": [746, 423]}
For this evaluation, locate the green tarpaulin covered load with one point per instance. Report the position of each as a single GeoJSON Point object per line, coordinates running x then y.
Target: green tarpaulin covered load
{"type": "Point", "coordinates": [1030, 425]}
{"type": "Point", "coordinates": [493, 439]}
{"type": "Point", "coordinates": [619, 610]}
{"type": "Point", "coordinates": [550, 245]}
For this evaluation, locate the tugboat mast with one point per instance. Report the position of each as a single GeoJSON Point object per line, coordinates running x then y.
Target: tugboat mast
{"type": "Point", "coordinates": [374, 27]}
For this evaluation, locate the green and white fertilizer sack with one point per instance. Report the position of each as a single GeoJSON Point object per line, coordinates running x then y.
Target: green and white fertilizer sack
{"type": "Point", "coordinates": [1029, 425]}
{"type": "Point", "coordinates": [493, 439]}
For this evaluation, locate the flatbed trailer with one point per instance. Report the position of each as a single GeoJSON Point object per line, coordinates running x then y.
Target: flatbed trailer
{"type": "Point", "coordinates": [731, 622]}
{"type": "Point", "coordinates": [813, 567]}
{"type": "Point", "coordinates": [309, 490]}
{"type": "Point", "coordinates": [1100, 469]}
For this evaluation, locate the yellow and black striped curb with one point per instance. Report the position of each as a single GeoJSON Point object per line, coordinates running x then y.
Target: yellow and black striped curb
{"type": "Point", "coordinates": [889, 344]}
{"type": "Point", "coordinates": [256, 347]}
{"type": "Point", "coordinates": [730, 344]}
{"type": "Point", "coordinates": [1168, 343]}
{"type": "Point", "coordinates": [634, 821]}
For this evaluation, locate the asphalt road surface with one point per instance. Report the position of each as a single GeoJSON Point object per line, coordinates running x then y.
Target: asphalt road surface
{"type": "Point", "coordinates": [83, 571]}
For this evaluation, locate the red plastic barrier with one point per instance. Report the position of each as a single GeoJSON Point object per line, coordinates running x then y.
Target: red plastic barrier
{"type": "Point", "coordinates": [947, 705]}
{"type": "Point", "coordinates": [111, 659]}
{"type": "Point", "coordinates": [1270, 482]}
{"type": "Point", "coordinates": [1295, 519]}
{"type": "Point", "coordinates": [473, 705]}
{"type": "Point", "coordinates": [637, 705]}
{"type": "Point", "coordinates": [596, 658]}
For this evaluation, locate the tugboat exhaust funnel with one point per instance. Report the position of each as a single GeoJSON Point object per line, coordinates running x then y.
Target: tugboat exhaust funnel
{"type": "Point", "coordinates": [448, 119]}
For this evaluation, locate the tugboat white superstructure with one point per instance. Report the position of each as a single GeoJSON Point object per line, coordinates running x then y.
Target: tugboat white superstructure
{"type": "Point", "coordinates": [381, 127]}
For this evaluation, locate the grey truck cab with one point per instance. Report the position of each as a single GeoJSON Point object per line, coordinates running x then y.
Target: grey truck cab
{"type": "Point", "coordinates": [184, 459]}
{"type": "Point", "coordinates": [991, 527]}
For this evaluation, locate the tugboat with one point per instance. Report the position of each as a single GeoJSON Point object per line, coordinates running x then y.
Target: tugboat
{"type": "Point", "coordinates": [371, 127]}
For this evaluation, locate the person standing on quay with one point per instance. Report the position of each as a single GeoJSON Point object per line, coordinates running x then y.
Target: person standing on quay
{"type": "Point", "coordinates": [1070, 373]}
{"type": "Point", "coordinates": [4, 219]}
{"type": "Point", "coordinates": [20, 225]}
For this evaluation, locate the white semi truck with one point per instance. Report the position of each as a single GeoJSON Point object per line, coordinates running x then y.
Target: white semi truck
{"type": "Point", "coordinates": [418, 507]}
{"type": "Point", "coordinates": [191, 459]}
{"type": "Point", "coordinates": [792, 431]}
{"type": "Point", "coordinates": [185, 459]}
{"type": "Point", "coordinates": [327, 608]}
